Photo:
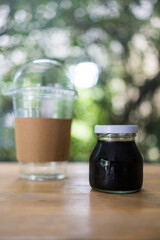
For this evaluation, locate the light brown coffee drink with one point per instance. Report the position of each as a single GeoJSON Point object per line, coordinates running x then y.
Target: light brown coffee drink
{"type": "Point", "coordinates": [42, 139]}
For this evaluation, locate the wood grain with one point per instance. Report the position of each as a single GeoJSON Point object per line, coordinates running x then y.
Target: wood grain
{"type": "Point", "coordinates": [69, 209]}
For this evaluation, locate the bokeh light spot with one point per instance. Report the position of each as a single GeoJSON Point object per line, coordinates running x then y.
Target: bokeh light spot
{"type": "Point", "coordinates": [84, 75]}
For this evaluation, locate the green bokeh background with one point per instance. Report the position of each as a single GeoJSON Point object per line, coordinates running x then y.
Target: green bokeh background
{"type": "Point", "coordinates": [121, 37]}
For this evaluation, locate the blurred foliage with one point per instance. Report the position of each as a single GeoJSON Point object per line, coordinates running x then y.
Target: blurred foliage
{"type": "Point", "coordinates": [122, 37]}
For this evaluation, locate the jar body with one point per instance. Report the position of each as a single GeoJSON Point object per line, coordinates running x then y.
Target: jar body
{"type": "Point", "coordinates": [116, 166]}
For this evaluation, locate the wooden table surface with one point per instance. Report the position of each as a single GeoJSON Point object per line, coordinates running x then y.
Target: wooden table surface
{"type": "Point", "coordinates": [69, 209]}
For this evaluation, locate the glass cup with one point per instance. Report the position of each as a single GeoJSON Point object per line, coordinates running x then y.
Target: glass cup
{"type": "Point", "coordinates": [43, 99]}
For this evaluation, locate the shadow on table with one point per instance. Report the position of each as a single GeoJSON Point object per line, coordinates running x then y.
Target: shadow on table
{"type": "Point", "coordinates": [135, 201]}
{"type": "Point", "coordinates": [28, 186]}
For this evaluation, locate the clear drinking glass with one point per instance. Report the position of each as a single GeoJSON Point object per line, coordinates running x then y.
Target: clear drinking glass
{"type": "Point", "coordinates": [43, 100]}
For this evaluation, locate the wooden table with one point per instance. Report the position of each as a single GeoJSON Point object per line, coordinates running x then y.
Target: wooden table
{"type": "Point", "coordinates": [69, 209]}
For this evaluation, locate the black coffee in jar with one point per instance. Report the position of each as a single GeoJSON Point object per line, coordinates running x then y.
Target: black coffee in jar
{"type": "Point", "coordinates": [116, 164]}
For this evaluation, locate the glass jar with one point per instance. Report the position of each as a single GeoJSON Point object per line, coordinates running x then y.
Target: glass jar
{"type": "Point", "coordinates": [116, 165]}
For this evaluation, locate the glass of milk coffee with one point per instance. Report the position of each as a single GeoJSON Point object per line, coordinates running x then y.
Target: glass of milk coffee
{"type": "Point", "coordinates": [43, 98]}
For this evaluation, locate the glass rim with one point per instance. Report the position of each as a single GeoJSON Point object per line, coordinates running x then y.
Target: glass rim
{"type": "Point", "coordinates": [116, 137]}
{"type": "Point", "coordinates": [48, 91]}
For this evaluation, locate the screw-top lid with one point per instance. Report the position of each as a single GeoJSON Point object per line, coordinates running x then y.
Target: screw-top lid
{"type": "Point", "coordinates": [116, 129]}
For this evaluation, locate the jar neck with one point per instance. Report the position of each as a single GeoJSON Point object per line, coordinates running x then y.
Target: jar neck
{"type": "Point", "coordinates": [116, 137]}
